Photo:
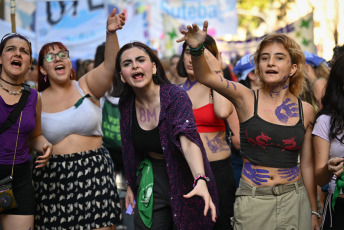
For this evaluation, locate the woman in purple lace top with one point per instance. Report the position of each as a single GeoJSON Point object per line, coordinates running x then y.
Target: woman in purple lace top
{"type": "Point", "coordinates": [25, 133]}
{"type": "Point", "coordinates": [157, 124]}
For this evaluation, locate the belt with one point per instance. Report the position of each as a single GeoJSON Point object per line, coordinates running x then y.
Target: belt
{"type": "Point", "coordinates": [246, 189]}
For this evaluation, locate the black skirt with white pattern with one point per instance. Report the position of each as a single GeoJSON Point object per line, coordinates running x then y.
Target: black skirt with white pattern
{"type": "Point", "coordinates": [76, 191]}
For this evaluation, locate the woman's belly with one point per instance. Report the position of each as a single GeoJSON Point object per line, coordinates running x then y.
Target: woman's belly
{"type": "Point", "coordinates": [76, 143]}
{"type": "Point", "coordinates": [260, 176]}
{"type": "Point", "coordinates": [215, 145]}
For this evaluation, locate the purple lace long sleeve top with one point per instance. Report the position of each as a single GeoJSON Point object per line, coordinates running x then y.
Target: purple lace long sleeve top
{"type": "Point", "coordinates": [176, 118]}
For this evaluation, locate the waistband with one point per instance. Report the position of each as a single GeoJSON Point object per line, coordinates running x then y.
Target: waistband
{"type": "Point", "coordinates": [221, 163]}
{"type": "Point", "coordinates": [78, 155]}
{"type": "Point", "coordinates": [246, 189]}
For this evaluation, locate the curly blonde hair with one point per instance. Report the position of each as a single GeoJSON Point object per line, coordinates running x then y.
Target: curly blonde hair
{"type": "Point", "coordinates": [297, 56]}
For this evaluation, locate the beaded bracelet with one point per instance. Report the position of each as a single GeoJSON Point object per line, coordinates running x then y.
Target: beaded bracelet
{"type": "Point", "coordinates": [200, 177]}
{"type": "Point", "coordinates": [196, 52]}
{"type": "Point", "coordinates": [317, 214]}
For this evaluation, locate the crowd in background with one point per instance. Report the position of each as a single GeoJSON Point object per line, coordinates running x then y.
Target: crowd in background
{"type": "Point", "coordinates": [126, 140]}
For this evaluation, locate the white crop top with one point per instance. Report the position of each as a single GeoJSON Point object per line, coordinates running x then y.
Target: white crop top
{"type": "Point", "coordinates": [85, 120]}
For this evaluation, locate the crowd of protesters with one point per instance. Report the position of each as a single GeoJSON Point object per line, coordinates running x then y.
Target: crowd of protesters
{"type": "Point", "coordinates": [199, 145]}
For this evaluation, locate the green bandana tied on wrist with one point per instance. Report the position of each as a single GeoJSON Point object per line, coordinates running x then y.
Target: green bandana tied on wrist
{"type": "Point", "coordinates": [145, 193]}
{"type": "Point", "coordinates": [339, 187]}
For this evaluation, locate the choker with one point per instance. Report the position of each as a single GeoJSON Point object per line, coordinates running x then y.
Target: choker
{"type": "Point", "coordinates": [10, 92]}
{"type": "Point", "coordinates": [10, 82]}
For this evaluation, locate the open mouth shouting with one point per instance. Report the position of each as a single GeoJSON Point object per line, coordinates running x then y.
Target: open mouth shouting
{"type": "Point", "coordinates": [16, 63]}
{"type": "Point", "coordinates": [138, 76]}
{"type": "Point", "coordinates": [60, 69]}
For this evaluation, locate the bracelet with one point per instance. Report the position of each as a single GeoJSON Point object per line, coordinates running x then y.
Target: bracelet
{"type": "Point", "coordinates": [110, 32]}
{"type": "Point", "coordinates": [317, 214]}
{"type": "Point", "coordinates": [196, 52]}
{"type": "Point", "coordinates": [200, 177]}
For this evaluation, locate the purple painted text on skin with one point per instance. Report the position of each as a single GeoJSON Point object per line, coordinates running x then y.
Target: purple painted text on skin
{"type": "Point", "coordinates": [289, 173]}
{"type": "Point", "coordinates": [146, 117]}
{"type": "Point", "coordinates": [216, 145]}
{"type": "Point", "coordinates": [257, 176]}
{"type": "Point", "coordinates": [291, 110]}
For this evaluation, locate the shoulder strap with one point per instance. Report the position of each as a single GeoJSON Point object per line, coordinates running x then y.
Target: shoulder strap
{"type": "Point", "coordinates": [300, 109]}
{"type": "Point", "coordinates": [255, 101]}
{"type": "Point", "coordinates": [13, 116]}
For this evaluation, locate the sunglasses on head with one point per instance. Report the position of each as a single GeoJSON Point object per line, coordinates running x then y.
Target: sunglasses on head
{"type": "Point", "coordinates": [50, 57]}
{"type": "Point", "coordinates": [12, 35]}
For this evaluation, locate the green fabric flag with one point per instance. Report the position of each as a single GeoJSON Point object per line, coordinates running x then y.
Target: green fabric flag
{"type": "Point", "coordinates": [145, 194]}
{"type": "Point", "coordinates": [339, 187]}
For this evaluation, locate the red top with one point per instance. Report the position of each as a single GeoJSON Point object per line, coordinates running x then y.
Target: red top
{"type": "Point", "coordinates": [207, 121]}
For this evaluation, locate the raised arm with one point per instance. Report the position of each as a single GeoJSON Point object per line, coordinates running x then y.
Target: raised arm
{"type": "Point", "coordinates": [222, 106]}
{"type": "Point", "coordinates": [238, 94]}
{"type": "Point", "coordinates": [98, 80]}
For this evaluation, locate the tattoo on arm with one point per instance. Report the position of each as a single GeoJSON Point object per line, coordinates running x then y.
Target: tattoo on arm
{"type": "Point", "coordinates": [216, 144]}
{"type": "Point", "coordinates": [289, 173]}
{"type": "Point", "coordinates": [290, 110]}
{"type": "Point", "coordinates": [257, 176]}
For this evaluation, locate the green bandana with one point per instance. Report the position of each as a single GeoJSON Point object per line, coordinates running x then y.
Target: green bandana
{"type": "Point", "coordinates": [339, 187]}
{"type": "Point", "coordinates": [145, 194]}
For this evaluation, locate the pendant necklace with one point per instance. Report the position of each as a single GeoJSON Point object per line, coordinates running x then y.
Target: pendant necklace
{"type": "Point", "coordinates": [10, 92]}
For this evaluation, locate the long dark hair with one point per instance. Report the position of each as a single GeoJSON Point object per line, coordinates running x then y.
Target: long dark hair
{"type": "Point", "coordinates": [42, 84]}
{"type": "Point", "coordinates": [209, 44]}
{"type": "Point", "coordinates": [122, 89]}
{"type": "Point", "coordinates": [333, 100]}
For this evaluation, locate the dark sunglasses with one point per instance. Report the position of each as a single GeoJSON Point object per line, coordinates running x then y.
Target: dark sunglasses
{"type": "Point", "coordinates": [50, 57]}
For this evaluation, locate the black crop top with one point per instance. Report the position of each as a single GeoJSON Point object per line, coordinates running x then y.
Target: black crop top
{"type": "Point", "coordinates": [145, 140]}
{"type": "Point", "coordinates": [271, 145]}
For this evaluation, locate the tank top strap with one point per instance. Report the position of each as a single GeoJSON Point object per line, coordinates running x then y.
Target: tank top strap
{"type": "Point", "coordinates": [255, 101]}
{"type": "Point", "coordinates": [211, 95]}
{"type": "Point", "coordinates": [79, 88]}
{"type": "Point", "coordinates": [300, 110]}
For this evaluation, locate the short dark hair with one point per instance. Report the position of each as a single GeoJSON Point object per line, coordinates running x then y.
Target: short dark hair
{"type": "Point", "coordinates": [122, 89]}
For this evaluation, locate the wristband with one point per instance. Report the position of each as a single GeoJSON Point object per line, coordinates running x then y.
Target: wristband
{"type": "Point", "coordinates": [317, 214]}
{"type": "Point", "coordinates": [110, 32]}
{"type": "Point", "coordinates": [200, 177]}
{"type": "Point", "coordinates": [196, 52]}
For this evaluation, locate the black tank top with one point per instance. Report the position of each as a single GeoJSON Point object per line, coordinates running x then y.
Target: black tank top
{"type": "Point", "coordinates": [271, 145]}
{"type": "Point", "coordinates": [145, 140]}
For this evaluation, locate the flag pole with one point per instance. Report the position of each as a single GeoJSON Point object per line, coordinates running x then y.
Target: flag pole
{"type": "Point", "coordinates": [13, 15]}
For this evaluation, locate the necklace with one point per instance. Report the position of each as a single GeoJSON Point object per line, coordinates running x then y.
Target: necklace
{"type": "Point", "coordinates": [188, 84]}
{"type": "Point", "coordinates": [10, 82]}
{"type": "Point", "coordinates": [10, 92]}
